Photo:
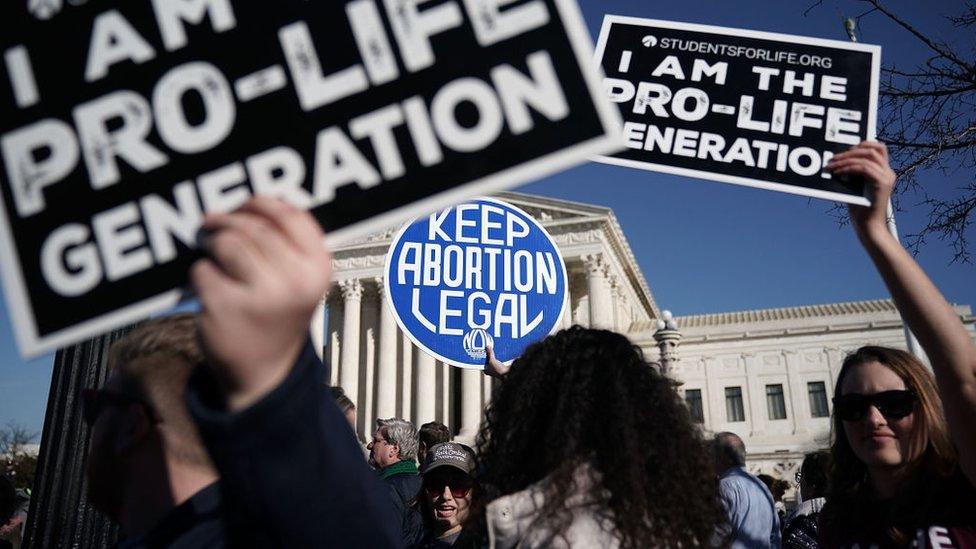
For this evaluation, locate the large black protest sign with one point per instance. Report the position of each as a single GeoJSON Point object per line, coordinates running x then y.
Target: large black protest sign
{"type": "Point", "coordinates": [122, 123]}
{"type": "Point", "coordinates": [752, 108]}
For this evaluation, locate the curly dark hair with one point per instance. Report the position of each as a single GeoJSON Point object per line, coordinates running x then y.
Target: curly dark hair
{"type": "Point", "coordinates": [585, 396]}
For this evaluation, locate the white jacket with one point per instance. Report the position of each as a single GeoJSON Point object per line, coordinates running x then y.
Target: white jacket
{"type": "Point", "coordinates": [510, 519]}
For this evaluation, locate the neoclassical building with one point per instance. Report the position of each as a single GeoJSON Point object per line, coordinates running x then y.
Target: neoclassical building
{"type": "Point", "coordinates": [386, 375]}
{"type": "Point", "coordinates": [766, 375]}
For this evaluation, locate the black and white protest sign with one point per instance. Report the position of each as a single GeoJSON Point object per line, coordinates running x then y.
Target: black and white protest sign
{"type": "Point", "coordinates": [752, 108]}
{"type": "Point", "coordinates": [122, 123]}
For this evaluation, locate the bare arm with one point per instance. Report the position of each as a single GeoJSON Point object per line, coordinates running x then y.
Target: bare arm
{"type": "Point", "coordinates": [937, 327]}
{"type": "Point", "coordinates": [493, 367]}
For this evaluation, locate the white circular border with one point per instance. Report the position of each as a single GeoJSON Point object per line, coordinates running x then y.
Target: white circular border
{"type": "Point", "coordinates": [396, 315]}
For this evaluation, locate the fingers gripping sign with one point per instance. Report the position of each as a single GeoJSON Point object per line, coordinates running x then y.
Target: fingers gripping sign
{"type": "Point", "coordinates": [267, 269]}
{"type": "Point", "coordinates": [869, 161]}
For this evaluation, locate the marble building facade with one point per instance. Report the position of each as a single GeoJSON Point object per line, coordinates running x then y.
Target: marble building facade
{"type": "Point", "coordinates": [766, 375]}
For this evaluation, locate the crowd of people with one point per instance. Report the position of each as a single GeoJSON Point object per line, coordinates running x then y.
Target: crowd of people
{"type": "Point", "coordinates": [214, 429]}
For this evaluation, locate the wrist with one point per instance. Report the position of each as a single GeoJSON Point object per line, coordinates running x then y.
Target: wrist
{"type": "Point", "coordinates": [257, 380]}
{"type": "Point", "coordinates": [873, 232]}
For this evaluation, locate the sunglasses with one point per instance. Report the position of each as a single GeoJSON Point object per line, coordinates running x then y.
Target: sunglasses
{"type": "Point", "coordinates": [459, 487]}
{"type": "Point", "coordinates": [891, 404]}
{"type": "Point", "coordinates": [94, 402]}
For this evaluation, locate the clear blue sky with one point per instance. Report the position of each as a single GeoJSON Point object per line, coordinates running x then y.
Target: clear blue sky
{"type": "Point", "coordinates": [703, 246]}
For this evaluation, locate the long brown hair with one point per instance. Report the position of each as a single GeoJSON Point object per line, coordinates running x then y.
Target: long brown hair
{"type": "Point", "coordinates": [931, 455]}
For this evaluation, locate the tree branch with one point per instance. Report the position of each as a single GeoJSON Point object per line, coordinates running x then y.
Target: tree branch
{"type": "Point", "coordinates": [933, 93]}
{"type": "Point", "coordinates": [948, 54]}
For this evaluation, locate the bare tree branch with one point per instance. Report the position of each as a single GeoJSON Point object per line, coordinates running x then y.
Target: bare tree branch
{"type": "Point", "coordinates": [927, 116]}
{"type": "Point", "coordinates": [811, 7]}
{"type": "Point", "coordinates": [941, 50]}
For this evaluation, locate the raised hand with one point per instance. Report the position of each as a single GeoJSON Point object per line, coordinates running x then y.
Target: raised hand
{"type": "Point", "coordinates": [493, 367]}
{"type": "Point", "coordinates": [868, 160]}
{"type": "Point", "coordinates": [267, 270]}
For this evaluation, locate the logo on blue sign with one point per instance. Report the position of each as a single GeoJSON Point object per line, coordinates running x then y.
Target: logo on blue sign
{"type": "Point", "coordinates": [477, 275]}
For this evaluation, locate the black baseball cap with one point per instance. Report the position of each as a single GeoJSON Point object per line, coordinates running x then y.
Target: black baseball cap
{"type": "Point", "coordinates": [450, 454]}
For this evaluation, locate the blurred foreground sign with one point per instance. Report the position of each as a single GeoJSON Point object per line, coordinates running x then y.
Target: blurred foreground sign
{"type": "Point", "coordinates": [122, 123]}
{"type": "Point", "coordinates": [479, 274]}
{"type": "Point", "coordinates": [752, 108]}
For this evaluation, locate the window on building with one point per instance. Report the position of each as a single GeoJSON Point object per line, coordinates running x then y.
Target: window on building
{"type": "Point", "coordinates": [733, 404]}
{"type": "Point", "coordinates": [693, 399]}
{"type": "Point", "coordinates": [775, 403]}
{"type": "Point", "coordinates": [817, 391]}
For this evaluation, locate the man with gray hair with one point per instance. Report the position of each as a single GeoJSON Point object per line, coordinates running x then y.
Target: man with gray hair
{"type": "Point", "coordinates": [753, 522]}
{"type": "Point", "coordinates": [393, 451]}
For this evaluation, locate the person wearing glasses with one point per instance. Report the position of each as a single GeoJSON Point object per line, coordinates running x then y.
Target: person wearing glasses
{"type": "Point", "coordinates": [291, 473]}
{"type": "Point", "coordinates": [448, 486]}
{"type": "Point", "coordinates": [147, 466]}
{"type": "Point", "coordinates": [904, 447]}
{"type": "Point", "coordinates": [801, 530]}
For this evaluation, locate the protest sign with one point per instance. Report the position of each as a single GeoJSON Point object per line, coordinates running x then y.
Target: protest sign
{"type": "Point", "coordinates": [483, 273]}
{"type": "Point", "coordinates": [752, 108]}
{"type": "Point", "coordinates": [123, 123]}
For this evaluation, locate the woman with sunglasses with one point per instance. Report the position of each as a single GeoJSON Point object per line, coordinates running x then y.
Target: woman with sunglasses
{"type": "Point", "coordinates": [904, 449]}
{"type": "Point", "coordinates": [445, 502]}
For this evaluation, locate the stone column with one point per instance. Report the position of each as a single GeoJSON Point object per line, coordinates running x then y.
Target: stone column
{"type": "Point", "coordinates": [667, 337]}
{"type": "Point", "coordinates": [352, 295]}
{"type": "Point", "coordinates": [755, 393]}
{"type": "Point", "coordinates": [334, 336]}
{"type": "Point", "coordinates": [795, 394]}
{"type": "Point", "coordinates": [470, 405]}
{"type": "Point", "coordinates": [425, 392]}
{"type": "Point", "coordinates": [714, 393]}
{"type": "Point", "coordinates": [369, 313]}
{"type": "Point", "coordinates": [317, 328]}
{"type": "Point", "coordinates": [601, 301]}
{"type": "Point", "coordinates": [386, 382]}
{"type": "Point", "coordinates": [406, 377]}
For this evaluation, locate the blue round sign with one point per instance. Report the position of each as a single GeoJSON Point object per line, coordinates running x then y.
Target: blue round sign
{"type": "Point", "coordinates": [483, 273]}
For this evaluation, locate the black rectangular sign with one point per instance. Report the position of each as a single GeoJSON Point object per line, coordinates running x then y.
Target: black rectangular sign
{"type": "Point", "coordinates": [751, 108]}
{"type": "Point", "coordinates": [123, 122]}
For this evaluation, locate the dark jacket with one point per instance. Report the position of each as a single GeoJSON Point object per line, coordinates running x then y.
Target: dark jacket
{"type": "Point", "coordinates": [197, 522]}
{"type": "Point", "coordinates": [404, 491]}
{"type": "Point", "coordinates": [801, 533]}
{"type": "Point", "coordinates": [292, 473]}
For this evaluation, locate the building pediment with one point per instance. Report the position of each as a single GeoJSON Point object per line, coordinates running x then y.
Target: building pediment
{"type": "Point", "coordinates": [578, 229]}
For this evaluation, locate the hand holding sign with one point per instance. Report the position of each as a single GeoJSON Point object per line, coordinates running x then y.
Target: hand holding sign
{"type": "Point", "coordinates": [268, 271]}
{"type": "Point", "coordinates": [494, 368]}
{"type": "Point", "coordinates": [869, 162]}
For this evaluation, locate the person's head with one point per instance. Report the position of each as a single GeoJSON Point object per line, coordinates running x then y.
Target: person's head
{"type": "Point", "coordinates": [585, 399]}
{"type": "Point", "coordinates": [394, 440]}
{"type": "Point", "coordinates": [431, 433]}
{"type": "Point", "coordinates": [448, 486]}
{"type": "Point", "coordinates": [141, 428]}
{"type": "Point", "coordinates": [728, 451]}
{"type": "Point", "coordinates": [887, 417]}
{"type": "Point", "coordinates": [344, 403]}
{"type": "Point", "coordinates": [812, 476]}
{"type": "Point", "coordinates": [777, 487]}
